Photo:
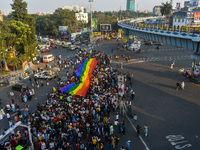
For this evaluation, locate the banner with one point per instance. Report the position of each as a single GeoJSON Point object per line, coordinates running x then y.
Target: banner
{"type": "Point", "coordinates": [97, 33]}
{"type": "Point", "coordinates": [178, 6]}
{"type": "Point", "coordinates": [196, 17]}
{"type": "Point", "coordinates": [194, 3]}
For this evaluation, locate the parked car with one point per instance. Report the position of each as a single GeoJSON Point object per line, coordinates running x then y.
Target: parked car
{"type": "Point", "coordinates": [72, 47]}
{"type": "Point", "coordinates": [4, 82]}
{"type": "Point", "coordinates": [21, 87]}
{"type": "Point", "coordinates": [46, 74]}
{"type": "Point", "coordinates": [44, 50]}
{"type": "Point", "coordinates": [77, 42]}
{"type": "Point", "coordinates": [67, 44]}
{"type": "Point", "coordinates": [148, 43]}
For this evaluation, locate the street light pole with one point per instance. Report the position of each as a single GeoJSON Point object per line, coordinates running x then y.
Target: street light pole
{"type": "Point", "coordinates": [91, 18]}
{"type": "Point", "coordinates": [137, 10]}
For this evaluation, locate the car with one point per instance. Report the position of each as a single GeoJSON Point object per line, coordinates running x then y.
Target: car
{"type": "Point", "coordinates": [44, 50]}
{"type": "Point", "coordinates": [46, 74]}
{"type": "Point", "coordinates": [77, 42]}
{"type": "Point", "coordinates": [21, 87]}
{"type": "Point", "coordinates": [4, 82]}
{"type": "Point", "coordinates": [148, 43]}
{"type": "Point", "coordinates": [158, 43]}
{"type": "Point", "coordinates": [67, 44]}
{"type": "Point", "coordinates": [72, 47]}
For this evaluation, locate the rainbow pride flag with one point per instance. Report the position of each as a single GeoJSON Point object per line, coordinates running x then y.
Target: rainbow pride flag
{"type": "Point", "coordinates": [83, 73]}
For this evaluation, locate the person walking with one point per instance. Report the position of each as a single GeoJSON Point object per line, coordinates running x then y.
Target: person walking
{"type": "Point", "coordinates": [121, 65]}
{"type": "Point", "coordinates": [134, 118]}
{"type": "Point", "coordinates": [128, 143]}
{"type": "Point", "coordinates": [131, 118]}
{"type": "Point", "coordinates": [182, 85]}
{"type": "Point", "coordinates": [145, 129]}
{"type": "Point", "coordinates": [177, 85]}
{"type": "Point", "coordinates": [132, 95]}
{"type": "Point", "coordinates": [47, 81]}
{"type": "Point", "coordinates": [138, 128]}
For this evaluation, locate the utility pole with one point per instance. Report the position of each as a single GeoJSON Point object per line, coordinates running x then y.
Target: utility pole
{"type": "Point", "coordinates": [91, 18]}
{"type": "Point", "coordinates": [120, 13]}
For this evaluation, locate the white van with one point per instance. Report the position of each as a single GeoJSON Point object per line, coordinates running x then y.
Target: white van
{"type": "Point", "coordinates": [48, 58]}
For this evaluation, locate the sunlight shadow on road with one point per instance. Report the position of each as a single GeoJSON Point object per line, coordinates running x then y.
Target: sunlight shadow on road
{"type": "Point", "coordinates": [146, 113]}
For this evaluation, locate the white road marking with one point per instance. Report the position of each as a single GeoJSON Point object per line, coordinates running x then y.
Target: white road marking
{"type": "Point", "coordinates": [146, 147]}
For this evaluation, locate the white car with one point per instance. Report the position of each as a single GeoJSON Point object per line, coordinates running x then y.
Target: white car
{"type": "Point", "coordinates": [45, 75]}
{"type": "Point", "coordinates": [67, 44]}
{"type": "Point", "coordinates": [72, 47]}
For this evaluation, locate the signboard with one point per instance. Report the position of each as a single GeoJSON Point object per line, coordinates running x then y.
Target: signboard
{"type": "Point", "coordinates": [120, 79]}
{"type": "Point", "coordinates": [62, 28]}
{"type": "Point", "coordinates": [178, 6]}
{"type": "Point", "coordinates": [95, 23]}
{"type": "Point", "coordinates": [97, 33]}
{"type": "Point", "coordinates": [186, 3]}
{"type": "Point", "coordinates": [105, 27]}
{"type": "Point", "coordinates": [196, 17]}
{"type": "Point", "coordinates": [194, 3]}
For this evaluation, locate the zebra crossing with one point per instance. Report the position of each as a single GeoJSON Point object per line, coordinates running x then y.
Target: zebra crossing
{"type": "Point", "coordinates": [168, 49]}
{"type": "Point", "coordinates": [160, 58]}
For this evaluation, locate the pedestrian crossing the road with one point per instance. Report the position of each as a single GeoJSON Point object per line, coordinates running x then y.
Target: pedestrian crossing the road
{"type": "Point", "coordinates": [168, 49]}
{"type": "Point", "coordinates": [161, 58]}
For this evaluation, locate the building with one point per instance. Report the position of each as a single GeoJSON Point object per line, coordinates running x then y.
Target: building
{"type": "Point", "coordinates": [1, 16]}
{"type": "Point", "coordinates": [157, 10]}
{"type": "Point", "coordinates": [74, 8]}
{"type": "Point", "coordinates": [186, 18]}
{"type": "Point", "coordinates": [81, 16]}
{"type": "Point", "coordinates": [130, 6]}
{"type": "Point", "coordinates": [186, 3]}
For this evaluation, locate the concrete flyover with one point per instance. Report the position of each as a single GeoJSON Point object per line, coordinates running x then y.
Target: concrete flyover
{"type": "Point", "coordinates": [170, 37]}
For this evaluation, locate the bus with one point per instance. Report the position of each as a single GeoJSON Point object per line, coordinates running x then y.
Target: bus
{"type": "Point", "coordinates": [48, 58]}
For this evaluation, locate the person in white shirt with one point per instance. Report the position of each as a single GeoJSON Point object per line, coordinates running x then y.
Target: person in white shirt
{"type": "Point", "coordinates": [134, 118]}
{"type": "Point", "coordinates": [43, 145]}
{"type": "Point", "coordinates": [51, 145]}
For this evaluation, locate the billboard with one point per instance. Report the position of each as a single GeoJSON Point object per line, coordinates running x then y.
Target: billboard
{"type": "Point", "coordinates": [178, 6]}
{"type": "Point", "coordinates": [95, 23]}
{"type": "Point", "coordinates": [97, 33]}
{"type": "Point", "coordinates": [62, 28]}
{"type": "Point", "coordinates": [105, 27]}
{"type": "Point", "coordinates": [196, 17]}
{"type": "Point", "coordinates": [186, 3]}
{"type": "Point", "coordinates": [194, 3]}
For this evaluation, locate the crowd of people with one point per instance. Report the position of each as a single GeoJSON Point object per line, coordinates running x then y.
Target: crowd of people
{"type": "Point", "coordinates": [76, 122]}
{"type": "Point", "coordinates": [67, 122]}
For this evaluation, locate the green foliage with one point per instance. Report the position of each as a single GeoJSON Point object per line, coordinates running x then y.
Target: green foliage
{"type": "Point", "coordinates": [185, 8]}
{"type": "Point", "coordinates": [17, 35]}
{"type": "Point", "coordinates": [20, 10]}
{"type": "Point", "coordinates": [166, 9]}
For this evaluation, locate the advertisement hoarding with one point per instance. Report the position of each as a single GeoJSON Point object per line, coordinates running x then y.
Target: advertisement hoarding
{"type": "Point", "coordinates": [97, 33]}
{"type": "Point", "coordinates": [105, 27]}
{"type": "Point", "coordinates": [196, 17]}
{"type": "Point", "coordinates": [194, 3]}
{"type": "Point", "coordinates": [62, 28]}
{"type": "Point", "coordinates": [186, 3]}
{"type": "Point", "coordinates": [178, 6]}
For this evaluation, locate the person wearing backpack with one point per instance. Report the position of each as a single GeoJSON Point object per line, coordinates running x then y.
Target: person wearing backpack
{"type": "Point", "coordinates": [82, 146]}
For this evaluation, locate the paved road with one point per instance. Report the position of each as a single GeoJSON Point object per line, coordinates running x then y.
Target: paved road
{"type": "Point", "coordinates": [172, 116]}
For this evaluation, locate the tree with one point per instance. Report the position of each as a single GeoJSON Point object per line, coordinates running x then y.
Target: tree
{"type": "Point", "coordinates": [185, 8]}
{"type": "Point", "coordinates": [23, 26]}
{"type": "Point", "coordinates": [20, 12]}
{"type": "Point", "coordinates": [166, 9]}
